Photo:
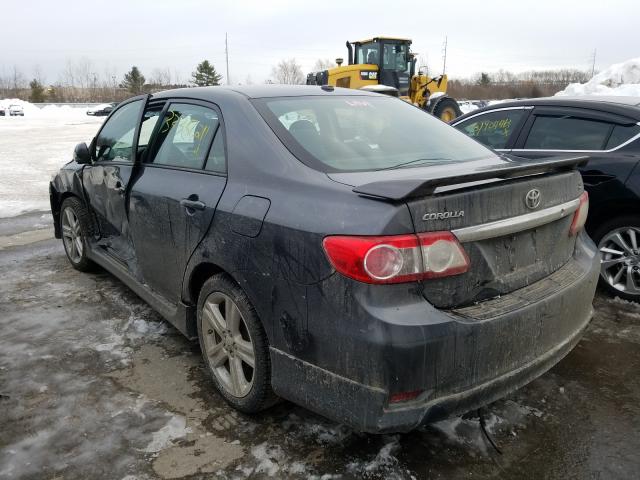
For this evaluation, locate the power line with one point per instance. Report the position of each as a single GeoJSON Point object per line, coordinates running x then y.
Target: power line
{"type": "Point", "coordinates": [593, 63]}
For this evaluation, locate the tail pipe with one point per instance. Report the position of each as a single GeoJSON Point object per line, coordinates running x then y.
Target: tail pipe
{"type": "Point", "coordinates": [350, 50]}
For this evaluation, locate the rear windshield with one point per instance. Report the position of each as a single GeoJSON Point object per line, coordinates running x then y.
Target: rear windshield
{"type": "Point", "coordinates": [354, 133]}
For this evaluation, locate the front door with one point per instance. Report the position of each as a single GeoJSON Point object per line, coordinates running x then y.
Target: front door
{"type": "Point", "coordinates": [106, 180]}
{"type": "Point", "coordinates": [174, 197]}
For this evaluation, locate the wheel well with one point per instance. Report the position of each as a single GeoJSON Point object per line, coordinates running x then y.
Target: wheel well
{"type": "Point", "coordinates": [55, 210]}
{"type": "Point", "coordinates": [201, 274]}
{"type": "Point", "coordinates": [608, 211]}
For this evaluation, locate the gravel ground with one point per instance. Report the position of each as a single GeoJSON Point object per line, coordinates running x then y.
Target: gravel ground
{"type": "Point", "coordinates": [94, 384]}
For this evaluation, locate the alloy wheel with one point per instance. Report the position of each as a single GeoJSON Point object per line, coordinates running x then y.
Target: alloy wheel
{"type": "Point", "coordinates": [227, 344]}
{"type": "Point", "coordinates": [620, 259]}
{"type": "Point", "coordinates": [72, 235]}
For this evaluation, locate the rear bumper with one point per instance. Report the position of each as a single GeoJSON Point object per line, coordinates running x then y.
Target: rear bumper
{"type": "Point", "coordinates": [459, 363]}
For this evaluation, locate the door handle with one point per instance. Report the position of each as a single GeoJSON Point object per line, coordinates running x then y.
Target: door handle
{"type": "Point", "coordinates": [192, 204]}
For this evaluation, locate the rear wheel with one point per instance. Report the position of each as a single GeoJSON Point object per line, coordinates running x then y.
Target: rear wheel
{"type": "Point", "coordinates": [75, 226]}
{"type": "Point", "coordinates": [446, 110]}
{"type": "Point", "coordinates": [619, 243]}
{"type": "Point", "coordinates": [234, 345]}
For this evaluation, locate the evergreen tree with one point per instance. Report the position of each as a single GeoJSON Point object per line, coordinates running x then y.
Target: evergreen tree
{"type": "Point", "coordinates": [484, 79]}
{"type": "Point", "coordinates": [37, 91]}
{"type": "Point", "coordinates": [133, 81]}
{"type": "Point", "coordinates": [205, 75]}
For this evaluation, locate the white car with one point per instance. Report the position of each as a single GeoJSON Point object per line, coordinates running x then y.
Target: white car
{"type": "Point", "coordinates": [16, 110]}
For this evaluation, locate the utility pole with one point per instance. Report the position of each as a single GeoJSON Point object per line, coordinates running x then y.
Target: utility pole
{"type": "Point", "coordinates": [593, 63]}
{"type": "Point", "coordinates": [444, 56]}
{"type": "Point", "coordinates": [226, 52]}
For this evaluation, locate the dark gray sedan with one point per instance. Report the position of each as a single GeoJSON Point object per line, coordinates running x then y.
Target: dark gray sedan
{"type": "Point", "coordinates": [337, 248]}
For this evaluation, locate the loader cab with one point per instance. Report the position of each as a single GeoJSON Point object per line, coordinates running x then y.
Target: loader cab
{"type": "Point", "coordinates": [391, 56]}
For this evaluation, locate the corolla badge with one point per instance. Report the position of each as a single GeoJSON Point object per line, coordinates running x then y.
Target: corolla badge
{"type": "Point", "coordinates": [442, 215]}
{"type": "Point", "coordinates": [532, 198]}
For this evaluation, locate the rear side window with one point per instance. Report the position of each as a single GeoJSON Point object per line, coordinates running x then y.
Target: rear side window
{"type": "Point", "coordinates": [115, 140]}
{"type": "Point", "coordinates": [621, 134]}
{"type": "Point", "coordinates": [185, 135]}
{"type": "Point", "coordinates": [216, 162]}
{"type": "Point", "coordinates": [493, 129]}
{"type": "Point", "coordinates": [567, 133]}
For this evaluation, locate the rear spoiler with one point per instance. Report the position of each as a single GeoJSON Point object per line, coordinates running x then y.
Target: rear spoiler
{"type": "Point", "coordinates": [402, 189]}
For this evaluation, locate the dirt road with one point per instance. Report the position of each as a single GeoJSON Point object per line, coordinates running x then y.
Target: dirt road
{"type": "Point", "coordinates": [93, 384]}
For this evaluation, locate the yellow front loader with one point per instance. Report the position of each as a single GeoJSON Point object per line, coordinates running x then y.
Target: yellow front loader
{"type": "Point", "coordinates": [386, 65]}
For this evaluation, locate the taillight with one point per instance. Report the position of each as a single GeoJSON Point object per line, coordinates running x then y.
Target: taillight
{"type": "Point", "coordinates": [580, 216]}
{"type": "Point", "coordinates": [397, 258]}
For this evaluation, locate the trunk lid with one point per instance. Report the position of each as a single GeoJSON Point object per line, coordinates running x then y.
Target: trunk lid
{"type": "Point", "coordinates": [521, 244]}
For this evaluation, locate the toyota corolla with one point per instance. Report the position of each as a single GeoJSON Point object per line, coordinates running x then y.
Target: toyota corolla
{"type": "Point", "coordinates": [337, 248]}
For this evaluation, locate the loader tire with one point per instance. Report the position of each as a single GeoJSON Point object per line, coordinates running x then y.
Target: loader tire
{"type": "Point", "coordinates": [446, 109]}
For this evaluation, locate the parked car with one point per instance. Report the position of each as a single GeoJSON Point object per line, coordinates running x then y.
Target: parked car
{"type": "Point", "coordinates": [366, 260]}
{"type": "Point", "coordinates": [2, 111]}
{"type": "Point", "coordinates": [101, 110]}
{"type": "Point", "coordinates": [607, 129]}
{"type": "Point", "coordinates": [16, 111]}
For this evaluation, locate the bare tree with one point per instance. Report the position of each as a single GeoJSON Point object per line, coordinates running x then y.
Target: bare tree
{"type": "Point", "coordinates": [289, 72]}
{"type": "Point", "coordinates": [161, 77]}
{"type": "Point", "coordinates": [18, 80]}
{"type": "Point", "coordinates": [323, 64]}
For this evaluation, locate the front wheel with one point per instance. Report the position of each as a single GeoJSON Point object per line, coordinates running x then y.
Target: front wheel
{"type": "Point", "coordinates": [446, 109]}
{"type": "Point", "coordinates": [75, 225]}
{"type": "Point", "coordinates": [234, 345]}
{"type": "Point", "coordinates": [619, 243]}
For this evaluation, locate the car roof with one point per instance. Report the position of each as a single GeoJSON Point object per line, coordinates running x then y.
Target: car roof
{"type": "Point", "coordinates": [261, 91]}
{"type": "Point", "coordinates": [620, 105]}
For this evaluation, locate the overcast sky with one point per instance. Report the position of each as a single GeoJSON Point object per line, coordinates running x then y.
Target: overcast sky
{"type": "Point", "coordinates": [483, 35]}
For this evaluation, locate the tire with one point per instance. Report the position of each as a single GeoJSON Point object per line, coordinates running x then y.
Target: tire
{"type": "Point", "coordinates": [619, 243]}
{"type": "Point", "coordinates": [224, 347]}
{"type": "Point", "coordinates": [446, 109]}
{"type": "Point", "coordinates": [74, 238]}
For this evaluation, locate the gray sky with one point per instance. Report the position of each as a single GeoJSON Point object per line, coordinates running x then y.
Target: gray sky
{"type": "Point", "coordinates": [483, 35]}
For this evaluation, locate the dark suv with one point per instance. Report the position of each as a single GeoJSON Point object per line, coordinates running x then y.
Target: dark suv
{"type": "Point", "coordinates": [607, 129]}
{"type": "Point", "coordinates": [341, 249]}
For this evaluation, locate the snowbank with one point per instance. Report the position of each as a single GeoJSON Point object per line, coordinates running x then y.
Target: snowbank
{"type": "Point", "coordinates": [47, 111]}
{"type": "Point", "coordinates": [619, 79]}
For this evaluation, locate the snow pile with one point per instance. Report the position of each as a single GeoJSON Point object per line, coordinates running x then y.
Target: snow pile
{"type": "Point", "coordinates": [48, 111]}
{"type": "Point", "coordinates": [619, 79]}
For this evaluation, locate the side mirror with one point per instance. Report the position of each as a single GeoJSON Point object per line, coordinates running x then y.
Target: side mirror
{"type": "Point", "coordinates": [81, 154]}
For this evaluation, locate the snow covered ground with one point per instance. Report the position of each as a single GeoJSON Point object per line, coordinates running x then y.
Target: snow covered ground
{"type": "Point", "coordinates": [34, 147]}
{"type": "Point", "coordinates": [619, 79]}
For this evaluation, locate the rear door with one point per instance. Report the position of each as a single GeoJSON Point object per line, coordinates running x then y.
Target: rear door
{"type": "Point", "coordinates": [497, 129]}
{"type": "Point", "coordinates": [553, 130]}
{"type": "Point", "coordinates": [173, 200]}
{"type": "Point", "coordinates": [107, 180]}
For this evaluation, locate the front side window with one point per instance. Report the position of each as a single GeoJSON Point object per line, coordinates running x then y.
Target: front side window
{"type": "Point", "coordinates": [493, 129]}
{"type": "Point", "coordinates": [567, 133]}
{"type": "Point", "coordinates": [115, 140]}
{"type": "Point", "coordinates": [185, 135]}
{"type": "Point", "coordinates": [353, 133]}
{"type": "Point", "coordinates": [368, 53]}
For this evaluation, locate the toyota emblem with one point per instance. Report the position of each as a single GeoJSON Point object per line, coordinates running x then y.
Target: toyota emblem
{"type": "Point", "coordinates": [532, 199]}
